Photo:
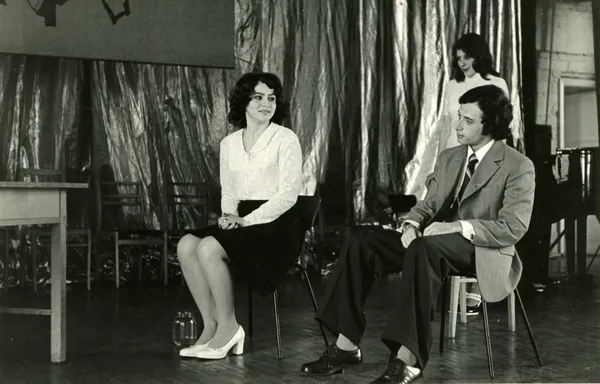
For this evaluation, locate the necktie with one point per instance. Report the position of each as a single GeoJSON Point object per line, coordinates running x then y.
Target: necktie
{"type": "Point", "coordinates": [468, 175]}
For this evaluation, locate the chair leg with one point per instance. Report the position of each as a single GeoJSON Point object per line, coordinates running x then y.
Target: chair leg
{"type": "Point", "coordinates": [98, 263]}
{"type": "Point", "coordinates": [529, 331]}
{"type": "Point", "coordinates": [165, 258]}
{"type": "Point", "coordinates": [116, 235]}
{"type": "Point", "coordinates": [445, 283]}
{"type": "Point", "coordinates": [488, 344]}
{"type": "Point", "coordinates": [463, 300]}
{"type": "Point", "coordinates": [22, 262]}
{"type": "Point", "coordinates": [5, 259]}
{"type": "Point", "coordinates": [454, 296]}
{"type": "Point", "coordinates": [34, 262]}
{"type": "Point", "coordinates": [277, 325]}
{"type": "Point", "coordinates": [314, 301]}
{"type": "Point", "coordinates": [140, 268]}
{"type": "Point", "coordinates": [512, 323]}
{"type": "Point", "coordinates": [89, 259]}
{"type": "Point", "coordinates": [249, 312]}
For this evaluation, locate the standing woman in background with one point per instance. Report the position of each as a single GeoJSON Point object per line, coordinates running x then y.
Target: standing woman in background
{"type": "Point", "coordinates": [472, 66]}
{"type": "Point", "coordinates": [259, 232]}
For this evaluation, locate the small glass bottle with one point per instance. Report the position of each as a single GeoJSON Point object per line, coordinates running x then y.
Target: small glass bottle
{"type": "Point", "coordinates": [185, 329]}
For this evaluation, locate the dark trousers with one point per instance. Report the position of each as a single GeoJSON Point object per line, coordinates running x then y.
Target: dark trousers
{"type": "Point", "coordinates": [369, 252]}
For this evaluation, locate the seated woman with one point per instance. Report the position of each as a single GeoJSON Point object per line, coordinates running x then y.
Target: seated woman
{"type": "Point", "coordinates": [258, 234]}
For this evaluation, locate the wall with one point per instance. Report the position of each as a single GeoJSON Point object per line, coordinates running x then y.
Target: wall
{"type": "Point", "coordinates": [581, 119]}
{"type": "Point", "coordinates": [581, 130]}
{"type": "Point", "coordinates": [565, 48]}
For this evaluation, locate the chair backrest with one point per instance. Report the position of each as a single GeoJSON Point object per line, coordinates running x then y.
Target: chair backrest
{"type": "Point", "coordinates": [42, 175]}
{"type": "Point", "coordinates": [188, 204]}
{"type": "Point", "coordinates": [122, 205]}
{"type": "Point", "coordinates": [308, 207]}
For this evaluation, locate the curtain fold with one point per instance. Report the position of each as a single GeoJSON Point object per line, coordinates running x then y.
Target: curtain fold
{"type": "Point", "coordinates": [596, 22]}
{"type": "Point", "coordinates": [596, 32]}
{"type": "Point", "coordinates": [39, 113]}
{"type": "Point", "coordinates": [364, 79]}
{"type": "Point", "coordinates": [41, 124]}
{"type": "Point", "coordinates": [499, 23]}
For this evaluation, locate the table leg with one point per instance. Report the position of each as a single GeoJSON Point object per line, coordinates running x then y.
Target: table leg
{"type": "Point", "coordinates": [581, 248]}
{"type": "Point", "coordinates": [5, 257]}
{"type": "Point", "coordinates": [570, 245]}
{"type": "Point", "coordinates": [58, 297]}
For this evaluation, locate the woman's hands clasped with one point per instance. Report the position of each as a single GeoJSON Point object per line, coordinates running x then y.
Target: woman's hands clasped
{"type": "Point", "coordinates": [228, 221]}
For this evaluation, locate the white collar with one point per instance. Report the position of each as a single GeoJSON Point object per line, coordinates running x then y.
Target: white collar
{"type": "Point", "coordinates": [481, 151]}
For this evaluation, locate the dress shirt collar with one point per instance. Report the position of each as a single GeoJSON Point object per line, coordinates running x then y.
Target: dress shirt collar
{"type": "Point", "coordinates": [481, 151]}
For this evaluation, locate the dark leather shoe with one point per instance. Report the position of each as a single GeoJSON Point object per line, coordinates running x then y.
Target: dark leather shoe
{"type": "Point", "coordinates": [333, 360]}
{"type": "Point", "coordinates": [398, 373]}
{"type": "Point", "coordinates": [473, 310]}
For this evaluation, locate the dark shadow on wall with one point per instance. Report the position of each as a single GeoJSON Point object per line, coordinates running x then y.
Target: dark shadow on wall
{"type": "Point", "coordinates": [47, 10]}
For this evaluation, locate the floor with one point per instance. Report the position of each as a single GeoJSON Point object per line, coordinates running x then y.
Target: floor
{"type": "Point", "coordinates": [124, 336]}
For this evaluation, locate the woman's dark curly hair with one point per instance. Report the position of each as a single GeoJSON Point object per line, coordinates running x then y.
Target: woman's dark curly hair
{"type": "Point", "coordinates": [497, 111]}
{"type": "Point", "coordinates": [244, 89]}
{"type": "Point", "coordinates": [475, 46]}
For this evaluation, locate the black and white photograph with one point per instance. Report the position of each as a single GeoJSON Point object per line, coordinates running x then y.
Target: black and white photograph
{"type": "Point", "coordinates": [299, 191]}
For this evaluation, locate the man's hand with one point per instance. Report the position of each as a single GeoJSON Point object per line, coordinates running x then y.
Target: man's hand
{"type": "Point", "coordinates": [442, 228]}
{"type": "Point", "coordinates": [409, 234]}
{"type": "Point", "coordinates": [228, 221]}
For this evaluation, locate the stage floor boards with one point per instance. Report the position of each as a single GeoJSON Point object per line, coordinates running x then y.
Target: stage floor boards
{"type": "Point", "coordinates": [124, 336]}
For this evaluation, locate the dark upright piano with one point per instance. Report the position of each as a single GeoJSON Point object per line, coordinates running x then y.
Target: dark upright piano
{"type": "Point", "coordinates": [567, 187]}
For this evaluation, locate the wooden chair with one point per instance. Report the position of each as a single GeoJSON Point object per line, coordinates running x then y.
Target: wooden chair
{"type": "Point", "coordinates": [6, 250]}
{"type": "Point", "coordinates": [40, 236]}
{"type": "Point", "coordinates": [123, 208]}
{"type": "Point", "coordinates": [188, 209]}
{"type": "Point", "coordinates": [188, 205]}
{"type": "Point", "coordinates": [486, 325]}
{"type": "Point", "coordinates": [309, 206]}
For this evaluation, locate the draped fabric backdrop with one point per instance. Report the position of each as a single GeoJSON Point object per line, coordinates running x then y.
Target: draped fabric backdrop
{"type": "Point", "coordinates": [442, 24]}
{"type": "Point", "coordinates": [596, 22]}
{"type": "Point", "coordinates": [365, 81]}
{"type": "Point", "coordinates": [42, 124]}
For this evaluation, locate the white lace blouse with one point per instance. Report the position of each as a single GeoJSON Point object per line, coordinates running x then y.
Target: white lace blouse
{"type": "Point", "coordinates": [271, 170]}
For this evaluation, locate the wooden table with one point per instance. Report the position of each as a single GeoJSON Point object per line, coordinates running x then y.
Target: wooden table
{"type": "Point", "coordinates": [43, 203]}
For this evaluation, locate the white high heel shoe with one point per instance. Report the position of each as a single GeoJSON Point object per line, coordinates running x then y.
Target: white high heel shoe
{"type": "Point", "coordinates": [236, 345]}
{"type": "Point", "coordinates": [191, 350]}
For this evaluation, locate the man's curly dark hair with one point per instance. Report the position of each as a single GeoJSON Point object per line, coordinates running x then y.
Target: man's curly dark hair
{"type": "Point", "coordinates": [497, 111]}
{"type": "Point", "coordinates": [475, 46]}
{"type": "Point", "coordinates": [244, 88]}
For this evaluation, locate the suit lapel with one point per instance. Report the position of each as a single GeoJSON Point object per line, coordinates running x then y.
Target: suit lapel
{"type": "Point", "coordinates": [488, 167]}
{"type": "Point", "coordinates": [453, 171]}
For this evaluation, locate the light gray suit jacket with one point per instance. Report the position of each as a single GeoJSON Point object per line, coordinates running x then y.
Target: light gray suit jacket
{"type": "Point", "coordinates": [497, 202]}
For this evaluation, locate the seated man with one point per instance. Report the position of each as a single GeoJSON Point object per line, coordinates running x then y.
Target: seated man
{"type": "Point", "coordinates": [478, 205]}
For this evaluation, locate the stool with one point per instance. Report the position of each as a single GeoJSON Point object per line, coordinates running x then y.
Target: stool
{"type": "Point", "coordinates": [458, 293]}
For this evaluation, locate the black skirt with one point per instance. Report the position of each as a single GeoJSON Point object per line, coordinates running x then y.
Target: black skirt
{"type": "Point", "coordinates": [261, 254]}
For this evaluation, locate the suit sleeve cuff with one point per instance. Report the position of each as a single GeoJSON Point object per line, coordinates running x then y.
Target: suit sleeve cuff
{"type": "Point", "coordinates": [467, 231]}
{"type": "Point", "coordinates": [247, 220]}
{"type": "Point", "coordinates": [411, 222]}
